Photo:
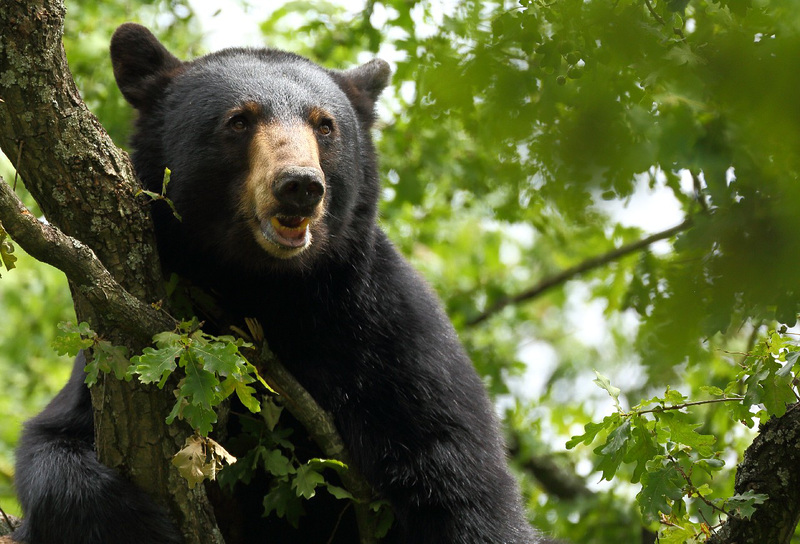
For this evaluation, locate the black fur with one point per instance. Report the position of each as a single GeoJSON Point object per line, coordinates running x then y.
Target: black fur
{"type": "Point", "coordinates": [67, 495]}
{"type": "Point", "coordinates": [350, 318]}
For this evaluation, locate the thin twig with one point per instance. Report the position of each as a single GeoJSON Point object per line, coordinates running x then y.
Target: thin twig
{"type": "Point", "coordinates": [686, 405]}
{"type": "Point", "coordinates": [693, 489]}
{"type": "Point", "coordinates": [5, 516]}
{"type": "Point", "coordinates": [16, 165]}
{"type": "Point", "coordinates": [698, 191]}
{"type": "Point", "coordinates": [655, 15]}
{"type": "Point", "coordinates": [339, 521]}
{"type": "Point", "coordinates": [585, 266]}
{"type": "Point", "coordinates": [661, 20]}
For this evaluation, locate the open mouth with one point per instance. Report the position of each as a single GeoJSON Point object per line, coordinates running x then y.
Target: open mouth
{"type": "Point", "coordinates": [288, 231]}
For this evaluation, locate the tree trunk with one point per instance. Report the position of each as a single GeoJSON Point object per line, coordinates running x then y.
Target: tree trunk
{"type": "Point", "coordinates": [770, 466]}
{"type": "Point", "coordinates": [86, 188]}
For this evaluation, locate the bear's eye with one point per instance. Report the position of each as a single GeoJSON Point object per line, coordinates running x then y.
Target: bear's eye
{"type": "Point", "coordinates": [238, 123]}
{"type": "Point", "coordinates": [325, 127]}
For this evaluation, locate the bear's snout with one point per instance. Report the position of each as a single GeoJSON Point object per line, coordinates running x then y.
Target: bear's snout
{"type": "Point", "coordinates": [299, 190]}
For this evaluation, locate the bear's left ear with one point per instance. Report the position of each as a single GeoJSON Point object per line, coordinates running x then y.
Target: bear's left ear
{"type": "Point", "coordinates": [363, 85]}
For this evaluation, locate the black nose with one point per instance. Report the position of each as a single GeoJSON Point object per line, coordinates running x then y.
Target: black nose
{"type": "Point", "coordinates": [299, 189]}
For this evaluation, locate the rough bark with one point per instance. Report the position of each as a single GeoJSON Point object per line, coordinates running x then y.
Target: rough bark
{"type": "Point", "coordinates": [770, 466]}
{"type": "Point", "coordinates": [86, 188]}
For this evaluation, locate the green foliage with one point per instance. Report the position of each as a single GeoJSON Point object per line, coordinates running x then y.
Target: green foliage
{"type": "Point", "coordinates": [213, 369]}
{"type": "Point", "coordinates": [666, 444]}
{"type": "Point", "coordinates": [87, 32]}
{"type": "Point", "coordinates": [768, 374]}
{"type": "Point", "coordinates": [513, 125]}
{"type": "Point", "coordinates": [294, 480]}
{"type": "Point", "coordinates": [163, 194]}
{"type": "Point", "coordinates": [105, 356]}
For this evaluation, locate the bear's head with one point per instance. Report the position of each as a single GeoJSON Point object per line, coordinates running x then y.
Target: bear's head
{"type": "Point", "coordinates": [272, 165]}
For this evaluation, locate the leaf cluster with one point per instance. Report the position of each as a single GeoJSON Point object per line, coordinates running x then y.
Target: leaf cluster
{"type": "Point", "coordinates": [213, 369]}
{"type": "Point", "coordinates": [294, 480]}
{"type": "Point", "coordinates": [661, 439]}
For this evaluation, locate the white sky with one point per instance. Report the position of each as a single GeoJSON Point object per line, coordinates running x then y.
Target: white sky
{"type": "Point", "coordinates": [229, 23]}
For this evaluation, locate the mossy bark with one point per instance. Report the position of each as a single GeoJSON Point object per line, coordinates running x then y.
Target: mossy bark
{"type": "Point", "coordinates": [770, 466]}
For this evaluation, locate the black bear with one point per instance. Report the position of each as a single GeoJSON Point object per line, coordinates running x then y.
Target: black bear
{"type": "Point", "coordinates": [274, 176]}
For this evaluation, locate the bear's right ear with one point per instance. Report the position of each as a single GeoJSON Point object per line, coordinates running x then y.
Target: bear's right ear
{"type": "Point", "coordinates": [142, 65]}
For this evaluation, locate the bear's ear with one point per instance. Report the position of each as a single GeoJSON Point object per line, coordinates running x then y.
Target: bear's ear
{"type": "Point", "coordinates": [142, 65]}
{"type": "Point", "coordinates": [363, 85]}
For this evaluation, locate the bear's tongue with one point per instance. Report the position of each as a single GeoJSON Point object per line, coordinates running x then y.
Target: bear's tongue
{"type": "Point", "coordinates": [290, 230]}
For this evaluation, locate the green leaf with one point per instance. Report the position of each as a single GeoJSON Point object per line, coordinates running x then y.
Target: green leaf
{"type": "Point", "coordinates": [605, 383]}
{"type": "Point", "coordinates": [658, 485]}
{"type": "Point", "coordinates": [306, 481]}
{"type": "Point", "coordinates": [712, 390]}
{"type": "Point", "coordinates": [743, 505]}
{"type": "Point", "coordinates": [271, 412]}
{"type": "Point", "coordinates": [335, 464]}
{"type": "Point", "coordinates": [673, 397]}
{"type": "Point", "coordinates": [778, 393]}
{"type": "Point", "coordinates": [111, 358]}
{"type": "Point", "coordinates": [73, 338]}
{"type": "Point", "coordinates": [677, 535]}
{"type": "Point", "coordinates": [7, 258]}
{"type": "Point", "coordinates": [163, 196]}
{"type": "Point", "coordinates": [221, 358]}
{"type": "Point", "coordinates": [200, 385]}
{"type": "Point", "coordinates": [167, 339]}
{"type": "Point", "coordinates": [284, 502]}
{"type": "Point", "coordinates": [200, 418]}
{"type": "Point", "coordinates": [339, 492]}
{"type": "Point", "coordinates": [165, 181]}
{"type": "Point", "coordinates": [383, 516]}
{"type": "Point", "coordinates": [642, 448]}
{"type": "Point", "coordinates": [247, 396]}
{"type": "Point", "coordinates": [155, 365]}
{"type": "Point", "coordinates": [592, 429]}
{"type": "Point", "coordinates": [277, 464]}
{"type": "Point", "coordinates": [71, 343]}
{"type": "Point", "coordinates": [92, 370]}
{"type": "Point", "coordinates": [613, 451]}
{"type": "Point", "coordinates": [682, 431]}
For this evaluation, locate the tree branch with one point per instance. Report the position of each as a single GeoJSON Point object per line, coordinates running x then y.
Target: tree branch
{"type": "Point", "coordinates": [47, 244]}
{"type": "Point", "coordinates": [572, 272]}
{"type": "Point", "coordinates": [7, 525]}
{"type": "Point", "coordinates": [321, 428]}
